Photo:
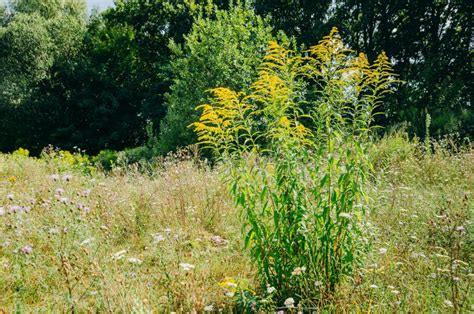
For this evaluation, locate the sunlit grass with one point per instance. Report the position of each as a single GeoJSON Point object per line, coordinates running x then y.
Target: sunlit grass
{"type": "Point", "coordinates": [172, 241]}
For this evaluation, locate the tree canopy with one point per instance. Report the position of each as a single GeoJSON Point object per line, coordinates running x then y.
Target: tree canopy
{"type": "Point", "coordinates": [94, 82]}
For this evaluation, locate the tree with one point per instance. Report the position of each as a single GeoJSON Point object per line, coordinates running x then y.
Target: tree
{"type": "Point", "coordinates": [25, 57]}
{"type": "Point", "coordinates": [39, 38]}
{"type": "Point", "coordinates": [155, 23]}
{"type": "Point", "coordinates": [429, 44]}
{"type": "Point", "coordinates": [304, 20]}
{"type": "Point", "coordinates": [221, 51]}
{"type": "Point", "coordinates": [50, 9]}
{"type": "Point", "coordinates": [123, 70]}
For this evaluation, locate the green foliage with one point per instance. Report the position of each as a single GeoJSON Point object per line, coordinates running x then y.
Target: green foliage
{"type": "Point", "coordinates": [429, 42]}
{"type": "Point", "coordinates": [25, 57]}
{"type": "Point", "coordinates": [63, 160]}
{"type": "Point", "coordinates": [21, 152]}
{"type": "Point", "coordinates": [106, 159]}
{"type": "Point", "coordinates": [137, 155]}
{"type": "Point", "coordinates": [298, 164]}
{"type": "Point", "coordinates": [3, 16]}
{"type": "Point", "coordinates": [34, 45]}
{"type": "Point", "coordinates": [139, 86]}
{"type": "Point", "coordinates": [394, 149]}
{"type": "Point", "coordinates": [93, 83]}
{"type": "Point", "coordinates": [427, 134]}
{"type": "Point", "coordinates": [304, 20]}
{"type": "Point", "coordinates": [105, 82]}
{"type": "Point", "coordinates": [51, 9]}
{"type": "Point", "coordinates": [220, 51]}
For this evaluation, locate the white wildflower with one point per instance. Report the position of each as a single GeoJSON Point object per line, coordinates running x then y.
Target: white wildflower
{"type": "Point", "coordinates": [67, 177]}
{"type": "Point", "coordinates": [318, 283]}
{"type": "Point", "coordinates": [157, 237]}
{"type": "Point", "coordinates": [382, 250]}
{"type": "Point", "coordinates": [290, 303]}
{"type": "Point", "coordinates": [270, 289]}
{"type": "Point", "coordinates": [54, 177]}
{"type": "Point", "coordinates": [15, 209]}
{"type": "Point", "coordinates": [27, 249]}
{"type": "Point", "coordinates": [208, 308]}
{"type": "Point", "coordinates": [186, 266]}
{"type": "Point", "coordinates": [218, 240]}
{"type": "Point", "coordinates": [86, 241]}
{"type": "Point", "coordinates": [59, 191]}
{"type": "Point", "coordinates": [374, 286]}
{"type": "Point", "coordinates": [345, 215]}
{"type": "Point", "coordinates": [298, 271]}
{"type": "Point", "coordinates": [119, 255]}
{"type": "Point", "coordinates": [460, 228]}
{"type": "Point", "coordinates": [448, 303]}
{"type": "Point", "coordinates": [134, 260]}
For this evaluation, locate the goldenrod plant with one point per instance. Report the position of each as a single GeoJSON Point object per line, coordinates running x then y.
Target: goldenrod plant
{"type": "Point", "coordinates": [298, 147]}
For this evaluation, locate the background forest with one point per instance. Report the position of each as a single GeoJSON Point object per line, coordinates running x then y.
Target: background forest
{"type": "Point", "coordinates": [96, 82]}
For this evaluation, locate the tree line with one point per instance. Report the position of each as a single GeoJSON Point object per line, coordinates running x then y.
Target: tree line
{"type": "Point", "coordinates": [97, 82]}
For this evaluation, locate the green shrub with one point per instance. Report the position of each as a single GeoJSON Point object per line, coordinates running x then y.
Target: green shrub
{"type": "Point", "coordinates": [136, 155]}
{"type": "Point", "coordinates": [221, 51]}
{"type": "Point", "coordinates": [21, 152]}
{"type": "Point", "coordinates": [393, 149]}
{"type": "Point", "coordinates": [63, 160]}
{"type": "Point", "coordinates": [298, 164]}
{"type": "Point", "coordinates": [106, 159]}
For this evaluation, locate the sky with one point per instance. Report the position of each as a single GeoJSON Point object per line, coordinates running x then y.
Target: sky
{"type": "Point", "coordinates": [99, 4]}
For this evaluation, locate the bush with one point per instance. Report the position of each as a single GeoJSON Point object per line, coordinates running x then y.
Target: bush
{"type": "Point", "coordinates": [106, 159]}
{"type": "Point", "coordinates": [136, 155]}
{"type": "Point", "coordinates": [224, 51]}
{"type": "Point", "coordinates": [298, 163]}
{"type": "Point", "coordinates": [393, 149]}
{"type": "Point", "coordinates": [21, 152]}
{"type": "Point", "coordinates": [64, 160]}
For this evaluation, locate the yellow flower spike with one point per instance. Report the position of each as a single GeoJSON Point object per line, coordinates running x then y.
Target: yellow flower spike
{"type": "Point", "coordinates": [284, 122]}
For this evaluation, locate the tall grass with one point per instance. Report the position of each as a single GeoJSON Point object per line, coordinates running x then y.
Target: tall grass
{"type": "Point", "coordinates": [179, 212]}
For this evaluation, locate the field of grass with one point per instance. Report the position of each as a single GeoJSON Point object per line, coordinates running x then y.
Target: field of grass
{"type": "Point", "coordinates": [169, 239]}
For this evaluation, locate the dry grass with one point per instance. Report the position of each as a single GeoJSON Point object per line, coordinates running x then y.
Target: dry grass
{"type": "Point", "coordinates": [125, 253]}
